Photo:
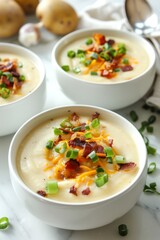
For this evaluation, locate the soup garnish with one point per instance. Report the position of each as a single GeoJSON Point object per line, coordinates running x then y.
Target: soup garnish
{"type": "Point", "coordinates": [83, 151]}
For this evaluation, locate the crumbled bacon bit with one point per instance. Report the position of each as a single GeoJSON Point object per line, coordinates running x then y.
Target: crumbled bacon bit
{"type": "Point", "coordinates": [110, 142]}
{"type": "Point", "coordinates": [127, 68]}
{"type": "Point", "coordinates": [110, 42]}
{"type": "Point", "coordinates": [86, 191]}
{"type": "Point", "coordinates": [73, 190]}
{"type": "Point", "coordinates": [95, 115]}
{"type": "Point", "coordinates": [71, 169]}
{"type": "Point", "coordinates": [74, 116]}
{"type": "Point", "coordinates": [77, 142]}
{"type": "Point", "coordinates": [42, 193]}
{"type": "Point", "coordinates": [127, 166]}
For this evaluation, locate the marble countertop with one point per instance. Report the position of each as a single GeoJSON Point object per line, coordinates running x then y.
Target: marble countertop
{"type": "Point", "coordinates": [143, 220]}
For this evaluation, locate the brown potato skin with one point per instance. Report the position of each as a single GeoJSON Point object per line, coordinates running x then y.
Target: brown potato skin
{"type": "Point", "coordinates": [57, 16]}
{"type": "Point", "coordinates": [28, 6]}
{"type": "Point", "coordinates": [12, 18]}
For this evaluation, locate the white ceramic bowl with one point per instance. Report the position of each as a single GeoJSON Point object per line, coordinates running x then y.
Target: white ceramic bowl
{"type": "Point", "coordinates": [14, 114]}
{"type": "Point", "coordinates": [78, 216]}
{"type": "Point", "coordinates": [109, 95]}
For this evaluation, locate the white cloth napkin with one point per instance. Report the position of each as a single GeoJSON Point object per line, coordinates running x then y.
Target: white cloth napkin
{"type": "Point", "coordinates": [105, 13]}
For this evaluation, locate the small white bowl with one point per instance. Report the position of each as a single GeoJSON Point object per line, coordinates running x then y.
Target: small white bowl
{"type": "Point", "coordinates": [111, 95]}
{"type": "Point", "coordinates": [79, 215]}
{"type": "Point", "coordinates": [15, 113]}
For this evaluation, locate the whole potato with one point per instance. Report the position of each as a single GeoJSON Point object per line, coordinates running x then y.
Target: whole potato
{"type": "Point", "coordinates": [12, 18]}
{"type": "Point", "coordinates": [29, 6]}
{"type": "Point", "coordinates": [57, 16]}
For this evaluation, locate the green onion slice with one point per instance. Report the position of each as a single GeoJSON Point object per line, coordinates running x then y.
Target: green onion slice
{"type": "Point", "coordinates": [89, 41]}
{"type": "Point", "coordinates": [66, 68]}
{"type": "Point", "coordinates": [50, 144]}
{"type": "Point", "coordinates": [133, 116]}
{"type": "Point", "coordinates": [71, 54]}
{"type": "Point", "coordinates": [88, 135]}
{"type": "Point", "coordinates": [66, 123]}
{"type": "Point", "coordinates": [95, 123]}
{"type": "Point", "coordinates": [61, 147]}
{"type": "Point", "coordinates": [119, 159]}
{"type": "Point", "coordinates": [51, 187]}
{"type": "Point", "coordinates": [122, 229]}
{"type": "Point", "coordinates": [57, 131]}
{"type": "Point", "coordinates": [152, 167]}
{"type": "Point", "coordinates": [72, 153]}
{"type": "Point", "coordinates": [93, 156]}
{"type": "Point", "coordinates": [4, 92]}
{"type": "Point", "coordinates": [101, 180]}
{"type": "Point", "coordinates": [108, 151]}
{"type": "Point", "coordinates": [4, 222]}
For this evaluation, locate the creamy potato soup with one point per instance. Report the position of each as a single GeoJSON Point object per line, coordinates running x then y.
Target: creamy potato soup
{"type": "Point", "coordinates": [18, 77]}
{"type": "Point", "coordinates": [77, 159]}
{"type": "Point", "coordinates": [103, 59]}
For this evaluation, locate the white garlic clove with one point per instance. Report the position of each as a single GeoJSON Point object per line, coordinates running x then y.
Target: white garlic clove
{"type": "Point", "coordinates": [29, 34]}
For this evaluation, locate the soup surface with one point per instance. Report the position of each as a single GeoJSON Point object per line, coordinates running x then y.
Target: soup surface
{"type": "Point", "coordinates": [18, 77]}
{"type": "Point", "coordinates": [103, 59]}
{"type": "Point", "coordinates": [77, 159]}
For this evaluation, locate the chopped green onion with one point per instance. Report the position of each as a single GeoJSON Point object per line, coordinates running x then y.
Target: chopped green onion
{"type": "Point", "coordinates": [149, 129]}
{"type": "Point", "coordinates": [87, 127]}
{"type": "Point", "coordinates": [125, 60]}
{"type": "Point", "coordinates": [109, 160]}
{"type": "Point", "coordinates": [76, 70]}
{"type": "Point", "coordinates": [66, 123]}
{"type": "Point", "coordinates": [72, 153]}
{"type": "Point", "coordinates": [51, 187]}
{"type": "Point", "coordinates": [80, 51]}
{"type": "Point", "coordinates": [119, 159]}
{"type": "Point", "coordinates": [122, 229]}
{"type": "Point", "coordinates": [133, 116]}
{"type": "Point", "coordinates": [4, 92]}
{"type": "Point", "coordinates": [93, 156]}
{"type": "Point", "coordinates": [151, 119]}
{"type": "Point", "coordinates": [105, 56]}
{"type": "Point", "coordinates": [108, 151]}
{"type": "Point", "coordinates": [99, 170]}
{"type": "Point", "coordinates": [61, 147]}
{"type": "Point", "coordinates": [71, 54]}
{"type": "Point", "coordinates": [76, 129]}
{"type": "Point", "coordinates": [106, 46]}
{"type": "Point", "coordinates": [4, 222]}
{"type": "Point", "coordinates": [121, 48]}
{"type": "Point", "coordinates": [117, 70]}
{"type": "Point", "coordinates": [95, 123]}
{"type": "Point", "coordinates": [94, 73]}
{"type": "Point", "coordinates": [88, 135]}
{"type": "Point", "coordinates": [89, 41]}
{"type": "Point", "coordinates": [49, 144]}
{"type": "Point", "coordinates": [22, 78]}
{"type": "Point", "coordinates": [151, 150]}
{"type": "Point", "coordinates": [87, 62]}
{"type": "Point", "coordinates": [57, 131]}
{"type": "Point", "coordinates": [9, 76]}
{"type": "Point", "coordinates": [65, 68]}
{"type": "Point", "coordinates": [101, 180]}
{"type": "Point", "coordinates": [94, 55]}
{"type": "Point", "coordinates": [151, 168]}
{"type": "Point", "coordinates": [112, 52]}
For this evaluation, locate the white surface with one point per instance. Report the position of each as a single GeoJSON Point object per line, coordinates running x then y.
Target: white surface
{"type": "Point", "coordinates": [143, 220]}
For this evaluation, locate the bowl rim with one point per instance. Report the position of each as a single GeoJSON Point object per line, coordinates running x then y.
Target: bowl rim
{"type": "Point", "coordinates": [14, 171]}
{"type": "Point", "coordinates": [39, 66]}
{"type": "Point", "coordinates": [73, 35]}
